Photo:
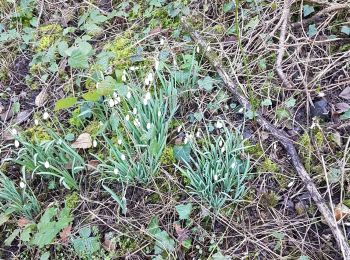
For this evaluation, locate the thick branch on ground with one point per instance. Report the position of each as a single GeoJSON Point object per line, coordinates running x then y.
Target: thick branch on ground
{"type": "Point", "coordinates": [324, 12]}
{"type": "Point", "coordinates": [282, 137]}
{"type": "Point", "coordinates": [281, 45]}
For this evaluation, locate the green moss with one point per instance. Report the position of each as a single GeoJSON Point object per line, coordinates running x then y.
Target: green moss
{"type": "Point", "coordinates": [305, 150]}
{"type": "Point", "coordinates": [254, 150]}
{"type": "Point", "coordinates": [318, 137]}
{"type": "Point", "coordinates": [72, 200]}
{"type": "Point", "coordinates": [122, 49]}
{"type": "Point", "coordinates": [219, 29]}
{"type": "Point", "coordinates": [163, 20]}
{"type": "Point", "coordinates": [37, 134]}
{"type": "Point", "coordinates": [269, 199]}
{"type": "Point", "coordinates": [168, 157]}
{"type": "Point", "coordinates": [269, 166]}
{"type": "Point", "coordinates": [48, 35]}
{"type": "Point", "coordinates": [74, 119]}
{"type": "Point", "coordinates": [126, 245]}
{"type": "Point", "coordinates": [92, 128]}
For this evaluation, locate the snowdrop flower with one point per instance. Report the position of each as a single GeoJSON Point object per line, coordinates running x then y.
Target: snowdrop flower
{"type": "Point", "coordinates": [219, 124]}
{"type": "Point", "coordinates": [240, 110]}
{"type": "Point", "coordinates": [115, 95]}
{"type": "Point", "coordinates": [132, 68]}
{"type": "Point", "coordinates": [197, 49]}
{"type": "Point", "coordinates": [134, 111]}
{"type": "Point", "coordinates": [148, 126]}
{"type": "Point", "coordinates": [159, 114]}
{"type": "Point", "coordinates": [147, 81]}
{"type": "Point", "coordinates": [117, 100]}
{"type": "Point", "coordinates": [137, 123]}
{"type": "Point", "coordinates": [111, 103]}
{"type": "Point", "coordinates": [223, 149]}
{"type": "Point", "coordinates": [156, 64]}
{"type": "Point", "coordinates": [179, 129]}
{"type": "Point", "coordinates": [36, 122]}
{"type": "Point", "coordinates": [220, 143]}
{"type": "Point", "coordinates": [119, 141]}
{"type": "Point", "coordinates": [101, 124]}
{"type": "Point", "coordinates": [150, 77]}
{"type": "Point", "coordinates": [208, 48]}
{"type": "Point", "coordinates": [124, 77]}
{"type": "Point", "coordinates": [161, 41]}
{"type": "Point", "coordinates": [46, 116]}
{"type": "Point", "coordinates": [127, 117]}
{"type": "Point", "coordinates": [123, 157]}
{"type": "Point", "coordinates": [148, 96]}
{"type": "Point", "coordinates": [198, 134]}
{"type": "Point", "coordinates": [145, 101]}
{"type": "Point", "coordinates": [116, 171]}
{"type": "Point", "coordinates": [94, 143]}
{"type": "Point", "coordinates": [186, 140]}
{"type": "Point", "coordinates": [215, 177]}
{"type": "Point", "coordinates": [128, 95]}
{"type": "Point", "coordinates": [22, 185]}
{"type": "Point", "coordinates": [47, 165]}
{"type": "Point", "coordinates": [321, 94]}
{"type": "Point", "coordinates": [14, 131]}
{"type": "Point", "coordinates": [16, 143]}
{"type": "Point", "coordinates": [233, 165]}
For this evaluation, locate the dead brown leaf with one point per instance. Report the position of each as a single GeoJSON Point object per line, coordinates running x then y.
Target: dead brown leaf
{"type": "Point", "coordinates": [41, 98]}
{"type": "Point", "coordinates": [92, 165]}
{"type": "Point", "coordinates": [345, 93]}
{"type": "Point", "coordinates": [83, 141]}
{"type": "Point", "coordinates": [65, 233]}
{"type": "Point", "coordinates": [341, 211]}
{"type": "Point", "coordinates": [342, 107]}
{"type": "Point", "coordinates": [22, 222]}
{"type": "Point", "coordinates": [22, 116]}
{"type": "Point", "coordinates": [182, 233]}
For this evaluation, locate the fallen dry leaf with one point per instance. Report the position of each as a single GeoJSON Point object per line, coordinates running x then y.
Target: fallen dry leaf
{"type": "Point", "coordinates": [22, 222]}
{"type": "Point", "coordinates": [83, 141]}
{"type": "Point", "coordinates": [345, 93]}
{"type": "Point", "coordinates": [109, 243]}
{"type": "Point", "coordinates": [92, 165]}
{"type": "Point", "coordinates": [182, 233]}
{"type": "Point", "coordinates": [65, 233]}
{"type": "Point", "coordinates": [341, 211]}
{"type": "Point", "coordinates": [41, 98]}
{"type": "Point", "coordinates": [342, 107]}
{"type": "Point", "coordinates": [22, 116]}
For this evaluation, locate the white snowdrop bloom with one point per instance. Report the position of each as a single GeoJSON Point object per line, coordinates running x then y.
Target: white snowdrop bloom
{"type": "Point", "coordinates": [198, 134]}
{"type": "Point", "coordinates": [123, 157]}
{"type": "Point", "coordinates": [47, 165]}
{"type": "Point", "coordinates": [116, 171]}
{"type": "Point", "coordinates": [208, 48]}
{"type": "Point", "coordinates": [179, 129]}
{"type": "Point", "coordinates": [124, 77]}
{"type": "Point", "coordinates": [117, 100]}
{"type": "Point", "coordinates": [145, 101]}
{"type": "Point", "coordinates": [161, 41]}
{"type": "Point", "coordinates": [148, 126]}
{"type": "Point", "coordinates": [223, 149]}
{"type": "Point", "coordinates": [14, 131]}
{"type": "Point", "coordinates": [22, 185]}
{"type": "Point", "coordinates": [321, 94]}
{"type": "Point", "coordinates": [290, 184]}
{"type": "Point", "coordinates": [94, 143]}
{"type": "Point", "coordinates": [119, 141]}
{"type": "Point", "coordinates": [111, 103]}
{"type": "Point", "coordinates": [221, 143]}
{"type": "Point", "coordinates": [147, 81]}
{"type": "Point", "coordinates": [156, 64]}
{"type": "Point", "coordinates": [219, 124]}
{"type": "Point", "coordinates": [233, 165]}
{"type": "Point", "coordinates": [46, 115]}
{"type": "Point", "coordinates": [128, 95]}
{"type": "Point", "coordinates": [124, 72]}
{"type": "Point", "coordinates": [148, 96]}
{"type": "Point", "coordinates": [16, 143]}
{"type": "Point", "coordinates": [127, 117]}
{"type": "Point", "coordinates": [101, 124]}
{"type": "Point", "coordinates": [36, 121]}
{"type": "Point", "coordinates": [137, 123]}
{"type": "Point", "coordinates": [159, 114]}
{"type": "Point", "coordinates": [197, 49]}
{"type": "Point", "coordinates": [150, 77]}
{"type": "Point", "coordinates": [132, 68]}
{"type": "Point", "coordinates": [115, 95]}
{"type": "Point", "coordinates": [134, 111]}
{"type": "Point", "coordinates": [240, 110]}
{"type": "Point", "coordinates": [186, 140]}
{"type": "Point", "coordinates": [215, 177]}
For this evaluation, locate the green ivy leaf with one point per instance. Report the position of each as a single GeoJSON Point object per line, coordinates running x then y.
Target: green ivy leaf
{"type": "Point", "coordinates": [92, 96]}
{"type": "Point", "coordinates": [346, 29]}
{"type": "Point", "coordinates": [184, 210]}
{"type": "Point", "coordinates": [290, 102]}
{"type": "Point", "coordinates": [308, 9]}
{"type": "Point", "coordinates": [206, 83]}
{"type": "Point", "coordinates": [78, 60]}
{"type": "Point", "coordinates": [228, 7]}
{"type": "Point", "coordinates": [266, 102]}
{"type": "Point", "coordinates": [312, 30]}
{"type": "Point", "coordinates": [65, 103]}
{"type": "Point", "coordinates": [345, 116]}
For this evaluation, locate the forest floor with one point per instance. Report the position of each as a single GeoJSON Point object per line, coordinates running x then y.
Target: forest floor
{"type": "Point", "coordinates": [121, 137]}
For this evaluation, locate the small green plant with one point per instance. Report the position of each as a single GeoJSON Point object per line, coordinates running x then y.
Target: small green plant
{"type": "Point", "coordinates": [140, 123]}
{"type": "Point", "coordinates": [53, 158]}
{"type": "Point", "coordinates": [216, 171]}
{"type": "Point", "coordinates": [85, 245]}
{"type": "Point", "coordinates": [19, 201]}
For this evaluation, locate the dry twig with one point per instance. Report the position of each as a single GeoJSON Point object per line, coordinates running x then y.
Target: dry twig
{"type": "Point", "coordinates": [282, 137]}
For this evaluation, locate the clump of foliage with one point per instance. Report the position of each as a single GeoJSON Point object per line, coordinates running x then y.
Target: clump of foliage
{"type": "Point", "coordinates": [216, 171]}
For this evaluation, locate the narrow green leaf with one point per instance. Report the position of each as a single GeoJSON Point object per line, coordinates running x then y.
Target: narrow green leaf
{"type": "Point", "coordinates": [65, 103]}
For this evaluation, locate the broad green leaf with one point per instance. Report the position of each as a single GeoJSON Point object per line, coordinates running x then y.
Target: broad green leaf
{"type": "Point", "coordinates": [78, 60]}
{"type": "Point", "coordinates": [308, 9]}
{"type": "Point", "coordinates": [266, 102]}
{"type": "Point", "coordinates": [345, 29]}
{"type": "Point", "coordinates": [182, 152]}
{"type": "Point", "coordinates": [229, 6]}
{"type": "Point", "coordinates": [290, 102]}
{"type": "Point", "coordinates": [184, 210]}
{"type": "Point", "coordinates": [252, 23]}
{"type": "Point", "coordinates": [206, 83]}
{"type": "Point", "coordinates": [65, 103]}
{"type": "Point", "coordinates": [92, 96]}
{"type": "Point", "coordinates": [345, 116]}
{"type": "Point", "coordinates": [312, 30]}
{"type": "Point", "coordinates": [45, 256]}
{"type": "Point", "coordinates": [282, 113]}
{"type": "Point", "coordinates": [62, 47]}
{"type": "Point", "coordinates": [85, 232]}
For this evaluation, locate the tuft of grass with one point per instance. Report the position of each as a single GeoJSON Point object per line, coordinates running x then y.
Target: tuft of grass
{"type": "Point", "coordinates": [216, 171]}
